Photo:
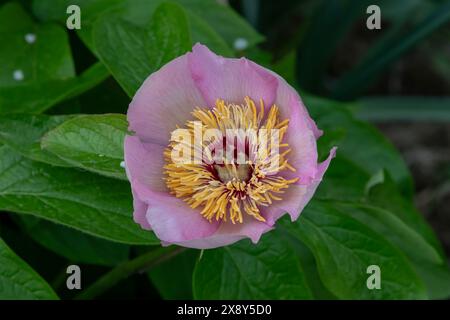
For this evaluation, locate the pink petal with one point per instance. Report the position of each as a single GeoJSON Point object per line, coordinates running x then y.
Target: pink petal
{"type": "Point", "coordinates": [284, 89]}
{"type": "Point", "coordinates": [297, 196]}
{"type": "Point", "coordinates": [172, 219]}
{"type": "Point", "coordinates": [212, 242]}
{"type": "Point", "coordinates": [165, 100]}
{"type": "Point", "coordinates": [229, 233]}
{"type": "Point", "coordinates": [230, 79]}
{"type": "Point", "coordinates": [140, 211]}
{"type": "Point", "coordinates": [301, 134]}
{"type": "Point", "coordinates": [144, 163]}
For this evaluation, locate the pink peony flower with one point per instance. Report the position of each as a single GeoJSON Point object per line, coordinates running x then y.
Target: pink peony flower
{"type": "Point", "coordinates": [208, 198]}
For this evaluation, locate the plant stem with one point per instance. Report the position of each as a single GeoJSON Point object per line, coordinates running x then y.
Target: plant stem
{"type": "Point", "coordinates": [140, 264]}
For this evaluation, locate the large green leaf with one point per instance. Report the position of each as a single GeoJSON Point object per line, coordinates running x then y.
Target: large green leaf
{"type": "Point", "coordinates": [55, 10]}
{"type": "Point", "coordinates": [98, 206]}
{"type": "Point", "coordinates": [140, 12]}
{"type": "Point", "coordinates": [213, 24]}
{"type": "Point", "coordinates": [130, 51]}
{"type": "Point", "coordinates": [167, 32]}
{"type": "Point", "coordinates": [23, 133]}
{"type": "Point", "coordinates": [359, 142]}
{"type": "Point", "coordinates": [18, 280]}
{"type": "Point", "coordinates": [344, 181]}
{"type": "Point", "coordinates": [227, 23]}
{"type": "Point", "coordinates": [425, 259]}
{"type": "Point", "coordinates": [48, 57]}
{"type": "Point", "coordinates": [74, 245]}
{"type": "Point", "coordinates": [344, 248]}
{"type": "Point", "coordinates": [39, 96]}
{"type": "Point", "coordinates": [201, 32]}
{"type": "Point", "coordinates": [379, 205]}
{"type": "Point", "coordinates": [91, 142]}
{"type": "Point", "coordinates": [37, 68]}
{"type": "Point", "coordinates": [309, 266]}
{"type": "Point", "coordinates": [269, 270]}
{"type": "Point", "coordinates": [347, 182]}
{"type": "Point", "coordinates": [120, 46]}
{"type": "Point", "coordinates": [383, 192]}
{"type": "Point", "coordinates": [349, 175]}
{"type": "Point", "coordinates": [15, 19]}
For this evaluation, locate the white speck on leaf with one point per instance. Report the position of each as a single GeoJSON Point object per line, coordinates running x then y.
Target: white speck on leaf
{"type": "Point", "coordinates": [18, 75]}
{"type": "Point", "coordinates": [30, 38]}
{"type": "Point", "coordinates": [122, 164]}
{"type": "Point", "coordinates": [240, 44]}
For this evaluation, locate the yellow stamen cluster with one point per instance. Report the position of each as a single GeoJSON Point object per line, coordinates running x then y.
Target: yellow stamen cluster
{"type": "Point", "coordinates": [228, 190]}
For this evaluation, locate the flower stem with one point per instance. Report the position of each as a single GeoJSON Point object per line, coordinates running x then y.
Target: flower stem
{"type": "Point", "coordinates": [139, 264]}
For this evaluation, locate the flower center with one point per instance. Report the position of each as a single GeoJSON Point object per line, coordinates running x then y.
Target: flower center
{"type": "Point", "coordinates": [241, 172]}
{"type": "Point", "coordinates": [228, 160]}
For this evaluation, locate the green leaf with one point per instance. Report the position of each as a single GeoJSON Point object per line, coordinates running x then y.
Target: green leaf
{"type": "Point", "coordinates": [386, 211]}
{"type": "Point", "coordinates": [309, 266]}
{"type": "Point", "coordinates": [227, 23]}
{"type": "Point", "coordinates": [399, 221]}
{"type": "Point", "coordinates": [39, 96]}
{"type": "Point", "coordinates": [140, 13]}
{"type": "Point", "coordinates": [23, 133]}
{"type": "Point", "coordinates": [46, 64]}
{"type": "Point", "coordinates": [343, 181]}
{"type": "Point", "coordinates": [120, 46]}
{"type": "Point", "coordinates": [47, 58]}
{"type": "Point", "coordinates": [435, 275]}
{"type": "Point", "coordinates": [173, 278]}
{"type": "Point", "coordinates": [91, 142]}
{"type": "Point", "coordinates": [269, 270]}
{"type": "Point", "coordinates": [378, 152]}
{"type": "Point", "coordinates": [74, 245]}
{"type": "Point", "coordinates": [132, 53]}
{"type": "Point", "coordinates": [385, 194]}
{"type": "Point", "coordinates": [166, 33]}
{"type": "Point", "coordinates": [18, 280]}
{"type": "Point", "coordinates": [208, 20]}
{"type": "Point", "coordinates": [95, 205]}
{"type": "Point", "coordinates": [436, 278]}
{"type": "Point", "coordinates": [344, 248]}
{"type": "Point", "coordinates": [14, 18]}
{"type": "Point", "coordinates": [202, 32]}
{"type": "Point", "coordinates": [55, 10]}
{"type": "Point", "coordinates": [425, 259]}
{"type": "Point", "coordinates": [347, 177]}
